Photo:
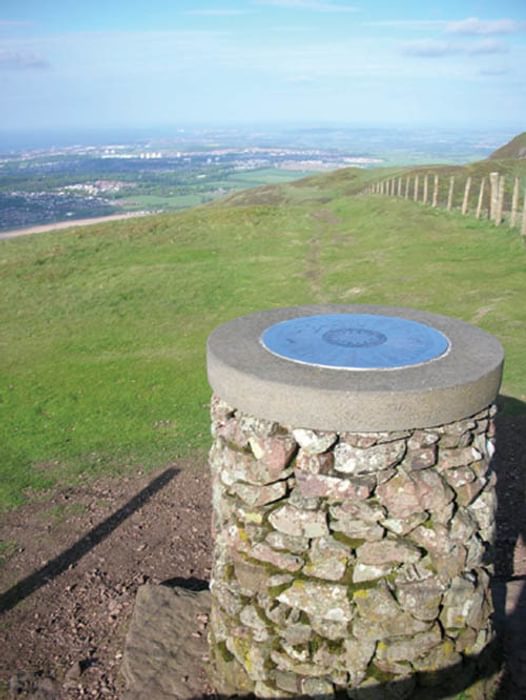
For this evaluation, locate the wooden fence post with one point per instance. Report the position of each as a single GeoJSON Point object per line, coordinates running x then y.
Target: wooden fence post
{"type": "Point", "coordinates": [415, 193]}
{"type": "Point", "coordinates": [500, 201]}
{"type": "Point", "coordinates": [450, 193]}
{"type": "Point", "coordinates": [515, 203]}
{"type": "Point", "coordinates": [494, 195]}
{"type": "Point", "coordinates": [424, 196]}
{"type": "Point", "coordinates": [406, 194]}
{"type": "Point", "coordinates": [466, 196]}
{"type": "Point", "coordinates": [481, 197]}
{"type": "Point", "coordinates": [399, 187]}
{"type": "Point", "coordinates": [391, 186]}
{"type": "Point", "coordinates": [435, 192]}
{"type": "Point", "coordinates": [523, 227]}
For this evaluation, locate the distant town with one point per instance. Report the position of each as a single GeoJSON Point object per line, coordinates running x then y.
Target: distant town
{"type": "Point", "coordinates": [59, 182]}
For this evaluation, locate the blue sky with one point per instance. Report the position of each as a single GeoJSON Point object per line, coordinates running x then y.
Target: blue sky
{"type": "Point", "coordinates": [131, 63]}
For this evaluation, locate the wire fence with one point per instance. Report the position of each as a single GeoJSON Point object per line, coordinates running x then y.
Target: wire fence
{"type": "Point", "coordinates": [495, 197]}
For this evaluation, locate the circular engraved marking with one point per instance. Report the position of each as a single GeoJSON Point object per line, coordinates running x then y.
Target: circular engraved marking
{"type": "Point", "coordinates": [355, 341]}
{"type": "Point", "coordinates": [354, 337]}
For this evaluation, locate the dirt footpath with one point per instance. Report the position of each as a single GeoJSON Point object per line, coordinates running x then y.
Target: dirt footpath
{"type": "Point", "coordinates": [77, 556]}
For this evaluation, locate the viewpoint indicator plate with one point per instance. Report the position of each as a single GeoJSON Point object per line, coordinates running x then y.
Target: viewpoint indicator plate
{"type": "Point", "coordinates": [355, 341]}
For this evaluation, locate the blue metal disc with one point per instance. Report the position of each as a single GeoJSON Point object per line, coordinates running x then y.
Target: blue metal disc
{"type": "Point", "coordinates": [355, 341]}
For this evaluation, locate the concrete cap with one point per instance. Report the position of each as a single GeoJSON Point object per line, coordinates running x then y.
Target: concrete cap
{"type": "Point", "coordinates": [455, 385]}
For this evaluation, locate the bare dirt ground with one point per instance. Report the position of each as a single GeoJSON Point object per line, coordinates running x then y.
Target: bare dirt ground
{"type": "Point", "coordinates": [78, 555]}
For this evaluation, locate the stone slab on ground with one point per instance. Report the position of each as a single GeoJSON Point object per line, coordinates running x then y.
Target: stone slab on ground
{"type": "Point", "coordinates": [165, 650]}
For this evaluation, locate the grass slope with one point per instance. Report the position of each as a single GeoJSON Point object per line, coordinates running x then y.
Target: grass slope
{"type": "Point", "coordinates": [104, 329]}
{"type": "Point", "coordinates": [516, 148]}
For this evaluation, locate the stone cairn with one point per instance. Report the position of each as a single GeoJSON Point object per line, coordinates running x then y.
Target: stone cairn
{"type": "Point", "coordinates": [351, 563]}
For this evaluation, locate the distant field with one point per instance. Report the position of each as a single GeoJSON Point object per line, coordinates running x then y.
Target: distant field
{"type": "Point", "coordinates": [212, 189]}
{"type": "Point", "coordinates": [264, 176]}
{"type": "Point", "coordinates": [152, 201]}
{"type": "Point", "coordinates": [103, 329]}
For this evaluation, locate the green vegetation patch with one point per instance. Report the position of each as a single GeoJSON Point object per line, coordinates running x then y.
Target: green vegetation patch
{"type": "Point", "coordinates": [104, 328]}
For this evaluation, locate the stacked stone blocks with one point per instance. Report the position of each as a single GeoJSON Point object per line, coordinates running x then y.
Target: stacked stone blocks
{"type": "Point", "coordinates": [347, 562]}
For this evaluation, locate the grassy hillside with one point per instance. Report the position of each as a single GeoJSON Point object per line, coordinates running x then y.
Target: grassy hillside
{"type": "Point", "coordinates": [516, 148]}
{"type": "Point", "coordinates": [104, 329]}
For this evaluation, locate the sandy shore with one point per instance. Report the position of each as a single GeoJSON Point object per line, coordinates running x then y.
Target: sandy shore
{"type": "Point", "coordinates": [60, 225]}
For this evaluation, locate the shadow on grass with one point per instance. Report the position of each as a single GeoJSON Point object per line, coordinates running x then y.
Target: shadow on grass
{"type": "Point", "coordinates": [59, 564]}
{"type": "Point", "coordinates": [510, 406]}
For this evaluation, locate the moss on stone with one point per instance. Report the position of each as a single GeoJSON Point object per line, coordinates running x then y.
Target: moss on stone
{"type": "Point", "coordinates": [315, 644]}
{"type": "Point", "coordinates": [226, 674]}
{"type": "Point", "coordinates": [359, 590]}
{"type": "Point", "coordinates": [223, 652]}
{"type": "Point", "coordinates": [352, 543]}
{"type": "Point", "coordinates": [243, 535]}
{"type": "Point", "coordinates": [428, 524]}
{"type": "Point", "coordinates": [237, 448]}
{"type": "Point", "coordinates": [304, 618]}
{"type": "Point", "coordinates": [229, 573]}
{"type": "Point", "coordinates": [378, 675]}
{"type": "Point", "coordinates": [268, 568]}
{"type": "Point", "coordinates": [334, 646]}
{"type": "Point", "coordinates": [274, 591]}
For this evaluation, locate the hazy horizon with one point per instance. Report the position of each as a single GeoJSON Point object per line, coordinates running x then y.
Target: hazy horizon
{"type": "Point", "coordinates": [276, 134]}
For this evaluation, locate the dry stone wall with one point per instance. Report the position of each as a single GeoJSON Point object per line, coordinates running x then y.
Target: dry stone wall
{"type": "Point", "coordinates": [351, 561]}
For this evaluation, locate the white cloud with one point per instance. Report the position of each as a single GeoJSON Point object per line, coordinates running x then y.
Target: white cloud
{"type": "Point", "coordinates": [476, 26]}
{"type": "Point", "coordinates": [315, 5]}
{"type": "Point", "coordinates": [435, 48]}
{"type": "Point", "coordinates": [429, 48]}
{"type": "Point", "coordinates": [471, 26]}
{"type": "Point", "coordinates": [487, 46]}
{"type": "Point", "coordinates": [22, 60]}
